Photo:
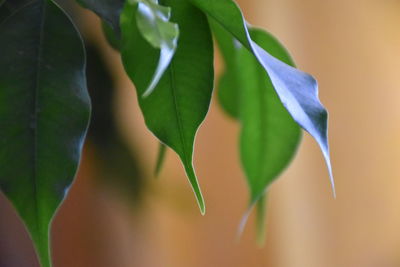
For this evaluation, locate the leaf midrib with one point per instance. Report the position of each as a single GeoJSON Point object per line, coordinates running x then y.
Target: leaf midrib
{"type": "Point", "coordinates": [39, 52]}
{"type": "Point", "coordinates": [245, 42]}
{"type": "Point", "coordinates": [177, 113]}
{"type": "Point", "coordinates": [187, 161]}
{"type": "Point", "coordinates": [249, 44]}
{"type": "Point", "coordinates": [261, 88]}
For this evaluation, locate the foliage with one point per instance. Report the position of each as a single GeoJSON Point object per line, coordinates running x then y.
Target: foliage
{"type": "Point", "coordinates": [167, 51]}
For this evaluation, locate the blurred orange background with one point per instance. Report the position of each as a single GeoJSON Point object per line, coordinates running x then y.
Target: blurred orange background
{"type": "Point", "coordinates": [353, 49]}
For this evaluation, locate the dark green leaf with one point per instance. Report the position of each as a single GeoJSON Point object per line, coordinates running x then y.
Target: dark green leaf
{"type": "Point", "coordinates": [175, 110]}
{"type": "Point", "coordinates": [11, 7]}
{"type": "Point", "coordinates": [107, 10]}
{"type": "Point", "coordinates": [152, 20]}
{"type": "Point", "coordinates": [44, 113]}
{"type": "Point", "coordinates": [297, 90]}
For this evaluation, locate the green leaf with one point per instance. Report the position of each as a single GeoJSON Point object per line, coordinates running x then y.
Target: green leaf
{"type": "Point", "coordinates": [152, 20]}
{"type": "Point", "coordinates": [269, 136]}
{"type": "Point", "coordinates": [162, 149]}
{"type": "Point", "coordinates": [44, 112]}
{"type": "Point", "coordinates": [175, 110]}
{"type": "Point", "coordinates": [10, 7]}
{"type": "Point", "coordinates": [298, 91]}
{"type": "Point", "coordinates": [107, 10]}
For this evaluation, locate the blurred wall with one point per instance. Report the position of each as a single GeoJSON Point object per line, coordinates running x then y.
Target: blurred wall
{"type": "Point", "coordinates": [353, 49]}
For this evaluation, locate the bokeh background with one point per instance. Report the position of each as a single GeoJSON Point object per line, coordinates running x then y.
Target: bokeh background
{"type": "Point", "coordinates": [353, 49]}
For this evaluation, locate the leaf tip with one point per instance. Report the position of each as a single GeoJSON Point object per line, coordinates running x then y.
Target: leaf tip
{"type": "Point", "coordinates": [195, 186]}
{"type": "Point", "coordinates": [325, 152]}
{"type": "Point", "coordinates": [166, 56]}
{"type": "Point", "coordinates": [200, 201]}
{"type": "Point", "coordinates": [149, 89]}
{"type": "Point", "coordinates": [332, 180]}
{"type": "Point", "coordinates": [203, 210]}
{"type": "Point", "coordinates": [243, 223]}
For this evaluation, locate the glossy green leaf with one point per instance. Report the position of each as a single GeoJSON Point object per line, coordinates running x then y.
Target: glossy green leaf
{"type": "Point", "coordinates": [269, 136]}
{"type": "Point", "coordinates": [44, 112]}
{"type": "Point", "coordinates": [298, 91]}
{"type": "Point", "coordinates": [153, 21]}
{"type": "Point", "coordinates": [175, 110]}
{"type": "Point", "coordinates": [107, 10]}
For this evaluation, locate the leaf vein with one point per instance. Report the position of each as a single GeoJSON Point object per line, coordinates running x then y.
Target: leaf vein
{"type": "Point", "coordinates": [39, 52]}
{"type": "Point", "coordinates": [177, 113]}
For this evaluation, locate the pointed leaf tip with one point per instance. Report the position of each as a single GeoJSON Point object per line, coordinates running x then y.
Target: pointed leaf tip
{"type": "Point", "coordinates": [195, 186]}
{"type": "Point", "coordinates": [298, 92]}
{"type": "Point", "coordinates": [331, 178]}
{"type": "Point", "coordinates": [166, 56]}
{"type": "Point", "coordinates": [202, 208]}
{"type": "Point", "coordinates": [243, 222]}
